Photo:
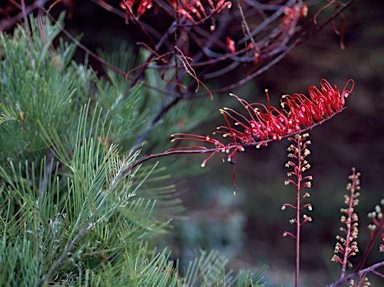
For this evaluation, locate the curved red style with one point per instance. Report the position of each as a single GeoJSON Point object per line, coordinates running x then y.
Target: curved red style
{"type": "Point", "coordinates": [261, 124]}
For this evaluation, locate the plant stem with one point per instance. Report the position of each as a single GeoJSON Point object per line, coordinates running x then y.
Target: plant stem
{"type": "Point", "coordinates": [370, 245]}
{"type": "Point", "coordinates": [300, 157]}
{"type": "Point", "coordinates": [298, 199]}
{"type": "Point", "coordinates": [370, 269]}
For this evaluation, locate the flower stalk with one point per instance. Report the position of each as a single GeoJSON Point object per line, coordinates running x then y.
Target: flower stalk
{"type": "Point", "coordinates": [346, 247]}
{"type": "Point", "coordinates": [298, 152]}
{"type": "Point", "coordinates": [375, 230]}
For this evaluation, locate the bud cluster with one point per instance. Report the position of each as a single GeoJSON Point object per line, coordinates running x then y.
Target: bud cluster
{"type": "Point", "coordinates": [346, 246]}
{"type": "Point", "coordinates": [377, 223]}
{"type": "Point", "coordinates": [297, 153]}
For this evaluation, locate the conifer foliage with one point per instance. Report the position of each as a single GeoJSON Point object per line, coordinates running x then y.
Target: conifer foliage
{"type": "Point", "coordinates": [68, 216]}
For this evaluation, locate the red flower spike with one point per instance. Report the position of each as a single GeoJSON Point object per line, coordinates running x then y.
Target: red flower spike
{"type": "Point", "coordinates": [261, 124]}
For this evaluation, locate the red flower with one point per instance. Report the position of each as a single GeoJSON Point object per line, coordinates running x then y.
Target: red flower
{"type": "Point", "coordinates": [293, 15]}
{"type": "Point", "coordinates": [191, 9]}
{"type": "Point", "coordinates": [194, 9]}
{"type": "Point", "coordinates": [262, 124]}
{"type": "Point", "coordinates": [143, 6]}
{"type": "Point", "coordinates": [231, 45]}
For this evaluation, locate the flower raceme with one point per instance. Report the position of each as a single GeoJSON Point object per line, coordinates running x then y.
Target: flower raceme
{"type": "Point", "coordinates": [261, 124]}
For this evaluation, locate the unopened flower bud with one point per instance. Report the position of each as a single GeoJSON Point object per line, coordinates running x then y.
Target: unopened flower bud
{"type": "Point", "coordinates": [372, 227]}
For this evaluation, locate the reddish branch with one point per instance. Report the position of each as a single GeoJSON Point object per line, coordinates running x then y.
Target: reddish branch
{"type": "Point", "coordinates": [217, 36]}
{"type": "Point", "coordinates": [362, 272]}
{"type": "Point", "coordinates": [204, 39]}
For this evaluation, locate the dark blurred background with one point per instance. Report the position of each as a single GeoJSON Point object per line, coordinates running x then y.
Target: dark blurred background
{"type": "Point", "coordinates": [247, 228]}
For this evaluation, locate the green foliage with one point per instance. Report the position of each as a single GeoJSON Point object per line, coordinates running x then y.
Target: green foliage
{"type": "Point", "coordinates": [69, 213]}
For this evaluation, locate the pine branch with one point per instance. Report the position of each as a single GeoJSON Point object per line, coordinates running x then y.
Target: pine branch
{"type": "Point", "coordinates": [64, 255]}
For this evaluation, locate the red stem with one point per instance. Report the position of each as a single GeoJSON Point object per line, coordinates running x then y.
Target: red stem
{"type": "Point", "coordinates": [298, 204]}
{"type": "Point", "coordinates": [370, 245]}
{"type": "Point", "coordinates": [298, 225]}
{"type": "Point", "coordinates": [349, 222]}
{"type": "Point", "coordinates": [370, 269]}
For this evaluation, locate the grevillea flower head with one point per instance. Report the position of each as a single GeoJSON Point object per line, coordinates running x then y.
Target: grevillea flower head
{"type": "Point", "coordinates": [259, 124]}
